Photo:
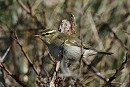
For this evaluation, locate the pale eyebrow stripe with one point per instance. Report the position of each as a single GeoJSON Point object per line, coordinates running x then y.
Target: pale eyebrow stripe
{"type": "Point", "coordinates": [51, 31]}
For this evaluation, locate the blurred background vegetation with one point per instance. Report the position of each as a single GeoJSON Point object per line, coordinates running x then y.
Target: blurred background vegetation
{"type": "Point", "coordinates": [104, 24]}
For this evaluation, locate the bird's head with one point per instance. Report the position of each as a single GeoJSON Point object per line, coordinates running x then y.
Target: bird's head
{"type": "Point", "coordinates": [47, 35]}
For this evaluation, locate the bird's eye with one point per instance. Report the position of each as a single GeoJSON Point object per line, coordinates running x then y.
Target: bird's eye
{"type": "Point", "coordinates": [47, 34]}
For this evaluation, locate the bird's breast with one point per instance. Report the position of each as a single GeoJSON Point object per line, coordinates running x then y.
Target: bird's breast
{"type": "Point", "coordinates": [70, 52]}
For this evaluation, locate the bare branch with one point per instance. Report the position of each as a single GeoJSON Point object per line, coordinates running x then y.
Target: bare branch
{"type": "Point", "coordinates": [52, 82]}
{"type": "Point", "coordinates": [52, 59]}
{"type": "Point", "coordinates": [25, 54]}
{"type": "Point", "coordinates": [13, 76]}
{"type": "Point", "coordinates": [28, 10]}
{"type": "Point", "coordinates": [118, 70]}
{"type": "Point", "coordinates": [95, 71]}
{"type": "Point", "coordinates": [116, 37]}
{"type": "Point", "coordinates": [23, 6]}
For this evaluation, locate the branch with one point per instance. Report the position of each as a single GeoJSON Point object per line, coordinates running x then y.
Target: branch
{"type": "Point", "coordinates": [13, 76]}
{"type": "Point", "coordinates": [116, 37]}
{"type": "Point", "coordinates": [25, 54]}
{"type": "Point", "coordinates": [23, 6]}
{"type": "Point", "coordinates": [52, 59]}
{"type": "Point", "coordinates": [52, 82]}
{"type": "Point", "coordinates": [30, 13]}
{"type": "Point", "coordinates": [118, 70]}
{"type": "Point", "coordinates": [95, 71]}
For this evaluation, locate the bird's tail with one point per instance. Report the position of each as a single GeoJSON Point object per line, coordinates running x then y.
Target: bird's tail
{"type": "Point", "coordinates": [108, 53]}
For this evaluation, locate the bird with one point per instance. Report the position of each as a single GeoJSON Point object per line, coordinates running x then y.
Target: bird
{"type": "Point", "coordinates": [66, 47]}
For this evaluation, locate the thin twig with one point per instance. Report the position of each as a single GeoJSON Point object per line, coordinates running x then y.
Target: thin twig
{"type": "Point", "coordinates": [30, 13]}
{"type": "Point", "coordinates": [118, 70]}
{"type": "Point", "coordinates": [116, 37]}
{"type": "Point", "coordinates": [23, 6]}
{"type": "Point", "coordinates": [95, 71]}
{"type": "Point", "coordinates": [80, 36]}
{"type": "Point", "coordinates": [25, 54]}
{"type": "Point", "coordinates": [52, 59]}
{"type": "Point", "coordinates": [52, 82]}
{"type": "Point", "coordinates": [13, 76]}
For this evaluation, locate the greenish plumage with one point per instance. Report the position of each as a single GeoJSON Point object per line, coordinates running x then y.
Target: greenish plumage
{"type": "Point", "coordinates": [57, 42]}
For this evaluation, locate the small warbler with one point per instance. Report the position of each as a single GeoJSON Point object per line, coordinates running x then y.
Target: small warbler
{"type": "Point", "coordinates": [69, 46]}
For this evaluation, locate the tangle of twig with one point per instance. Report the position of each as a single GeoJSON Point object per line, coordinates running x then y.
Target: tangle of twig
{"type": "Point", "coordinates": [118, 70]}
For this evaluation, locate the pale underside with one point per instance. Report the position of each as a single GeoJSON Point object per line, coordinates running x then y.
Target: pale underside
{"type": "Point", "coordinates": [70, 52]}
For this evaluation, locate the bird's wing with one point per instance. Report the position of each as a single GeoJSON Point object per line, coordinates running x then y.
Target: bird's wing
{"type": "Point", "coordinates": [78, 43]}
{"type": "Point", "coordinates": [73, 41]}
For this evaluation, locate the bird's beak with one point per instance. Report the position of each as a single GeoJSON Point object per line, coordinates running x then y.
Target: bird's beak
{"type": "Point", "coordinates": [36, 35]}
